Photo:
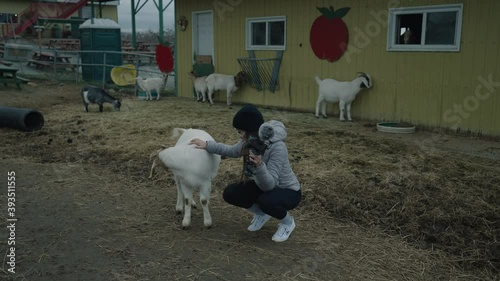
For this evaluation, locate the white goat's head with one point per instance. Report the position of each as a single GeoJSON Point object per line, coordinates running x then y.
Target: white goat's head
{"type": "Point", "coordinates": [366, 80]}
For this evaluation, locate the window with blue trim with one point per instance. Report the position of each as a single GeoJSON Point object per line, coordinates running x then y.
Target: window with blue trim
{"type": "Point", "coordinates": [428, 28]}
{"type": "Point", "coordinates": [266, 33]}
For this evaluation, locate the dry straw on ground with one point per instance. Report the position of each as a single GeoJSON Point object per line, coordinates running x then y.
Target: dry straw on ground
{"type": "Point", "coordinates": [434, 199]}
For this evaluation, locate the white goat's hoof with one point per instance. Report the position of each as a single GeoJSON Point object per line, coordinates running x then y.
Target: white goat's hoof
{"type": "Point", "coordinates": [179, 209]}
{"type": "Point", "coordinates": [186, 223]}
{"type": "Point", "coordinates": [324, 116]}
{"type": "Point", "coordinates": [208, 223]}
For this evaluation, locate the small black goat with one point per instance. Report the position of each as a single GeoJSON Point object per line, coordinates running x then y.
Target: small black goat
{"type": "Point", "coordinates": [97, 95]}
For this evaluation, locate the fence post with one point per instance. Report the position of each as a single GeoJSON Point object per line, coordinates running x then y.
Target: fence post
{"type": "Point", "coordinates": [104, 70]}
{"type": "Point", "coordinates": [54, 64]}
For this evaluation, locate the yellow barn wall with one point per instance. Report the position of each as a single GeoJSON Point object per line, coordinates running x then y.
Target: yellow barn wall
{"type": "Point", "coordinates": [434, 89]}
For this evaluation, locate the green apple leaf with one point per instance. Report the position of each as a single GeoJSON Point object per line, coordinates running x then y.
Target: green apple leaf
{"type": "Point", "coordinates": [340, 13]}
{"type": "Point", "coordinates": [326, 12]}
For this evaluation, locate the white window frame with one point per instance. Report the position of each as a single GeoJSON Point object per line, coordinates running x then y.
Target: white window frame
{"type": "Point", "coordinates": [392, 32]}
{"type": "Point", "coordinates": [248, 33]}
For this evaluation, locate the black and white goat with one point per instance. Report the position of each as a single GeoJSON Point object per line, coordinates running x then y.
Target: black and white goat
{"type": "Point", "coordinates": [343, 92]}
{"type": "Point", "coordinates": [98, 96]}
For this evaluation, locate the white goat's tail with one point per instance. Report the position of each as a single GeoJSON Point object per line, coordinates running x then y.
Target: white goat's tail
{"type": "Point", "coordinates": [317, 79]}
{"type": "Point", "coordinates": [177, 132]}
{"type": "Point", "coordinates": [155, 156]}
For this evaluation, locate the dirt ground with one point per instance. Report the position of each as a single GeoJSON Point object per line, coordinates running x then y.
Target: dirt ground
{"type": "Point", "coordinates": [376, 206]}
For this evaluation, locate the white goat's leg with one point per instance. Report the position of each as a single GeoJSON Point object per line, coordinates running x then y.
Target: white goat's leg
{"type": "Point", "coordinates": [198, 97]}
{"type": "Point", "coordinates": [204, 96]}
{"type": "Point", "coordinates": [341, 110]}
{"type": "Point", "coordinates": [323, 108]}
{"type": "Point", "coordinates": [318, 104]}
{"type": "Point", "coordinates": [348, 110]}
{"type": "Point", "coordinates": [180, 197]}
{"type": "Point", "coordinates": [205, 191]}
{"type": "Point", "coordinates": [210, 96]}
{"type": "Point", "coordinates": [229, 96]}
{"type": "Point", "coordinates": [188, 200]}
{"type": "Point", "coordinates": [158, 91]}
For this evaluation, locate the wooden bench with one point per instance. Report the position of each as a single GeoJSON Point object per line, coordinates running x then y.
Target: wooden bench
{"type": "Point", "coordinates": [7, 63]}
{"type": "Point", "coordinates": [8, 75]}
{"type": "Point", "coordinates": [64, 44]}
{"type": "Point", "coordinates": [40, 64]}
{"type": "Point", "coordinates": [133, 57]}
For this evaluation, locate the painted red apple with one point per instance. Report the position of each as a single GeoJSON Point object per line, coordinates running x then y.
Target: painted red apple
{"type": "Point", "coordinates": [164, 58]}
{"type": "Point", "coordinates": [329, 34]}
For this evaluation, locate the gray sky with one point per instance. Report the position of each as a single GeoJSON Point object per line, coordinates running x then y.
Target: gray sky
{"type": "Point", "coordinates": [147, 18]}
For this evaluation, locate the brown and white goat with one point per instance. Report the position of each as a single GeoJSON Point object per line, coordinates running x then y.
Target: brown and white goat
{"type": "Point", "coordinates": [216, 81]}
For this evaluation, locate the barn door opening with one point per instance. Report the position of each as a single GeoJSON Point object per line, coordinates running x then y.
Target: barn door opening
{"type": "Point", "coordinates": [203, 36]}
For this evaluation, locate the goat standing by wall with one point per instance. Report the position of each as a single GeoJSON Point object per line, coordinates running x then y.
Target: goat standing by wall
{"type": "Point", "coordinates": [152, 83]}
{"type": "Point", "coordinates": [343, 92]}
{"type": "Point", "coordinates": [200, 86]}
{"type": "Point", "coordinates": [216, 81]}
{"type": "Point", "coordinates": [193, 169]}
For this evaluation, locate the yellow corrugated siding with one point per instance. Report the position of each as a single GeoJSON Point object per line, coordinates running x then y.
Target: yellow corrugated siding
{"type": "Point", "coordinates": [425, 88]}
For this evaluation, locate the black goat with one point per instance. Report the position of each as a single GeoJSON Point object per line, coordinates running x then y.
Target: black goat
{"type": "Point", "coordinates": [97, 95]}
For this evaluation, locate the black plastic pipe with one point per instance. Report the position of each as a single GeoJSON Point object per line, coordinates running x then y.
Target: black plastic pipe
{"type": "Point", "coordinates": [21, 118]}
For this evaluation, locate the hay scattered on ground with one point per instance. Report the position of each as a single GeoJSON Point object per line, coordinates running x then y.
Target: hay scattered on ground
{"type": "Point", "coordinates": [434, 199]}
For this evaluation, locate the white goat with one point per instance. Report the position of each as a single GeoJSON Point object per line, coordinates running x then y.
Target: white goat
{"type": "Point", "coordinates": [343, 92]}
{"type": "Point", "coordinates": [192, 168]}
{"type": "Point", "coordinates": [152, 83]}
{"type": "Point", "coordinates": [216, 81]}
{"type": "Point", "coordinates": [200, 86]}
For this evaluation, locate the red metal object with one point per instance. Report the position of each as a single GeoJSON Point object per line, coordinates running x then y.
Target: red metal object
{"type": "Point", "coordinates": [42, 10]}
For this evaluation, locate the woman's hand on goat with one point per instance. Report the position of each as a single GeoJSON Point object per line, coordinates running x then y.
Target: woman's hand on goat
{"type": "Point", "coordinates": [201, 144]}
{"type": "Point", "coordinates": [255, 159]}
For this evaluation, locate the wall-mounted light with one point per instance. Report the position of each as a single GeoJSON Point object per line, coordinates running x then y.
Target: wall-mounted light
{"type": "Point", "coordinates": [182, 22]}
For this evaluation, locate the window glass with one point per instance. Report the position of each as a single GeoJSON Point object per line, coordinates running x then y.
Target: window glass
{"type": "Point", "coordinates": [266, 33]}
{"type": "Point", "coordinates": [440, 28]}
{"type": "Point", "coordinates": [259, 33]}
{"type": "Point", "coordinates": [277, 33]}
{"type": "Point", "coordinates": [410, 29]}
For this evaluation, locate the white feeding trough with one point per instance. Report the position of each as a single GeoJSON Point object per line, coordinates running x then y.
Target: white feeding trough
{"type": "Point", "coordinates": [396, 127]}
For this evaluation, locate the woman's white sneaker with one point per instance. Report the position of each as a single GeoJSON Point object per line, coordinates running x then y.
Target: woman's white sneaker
{"type": "Point", "coordinates": [258, 222]}
{"type": "Point", "coordinates": [284, 231]}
